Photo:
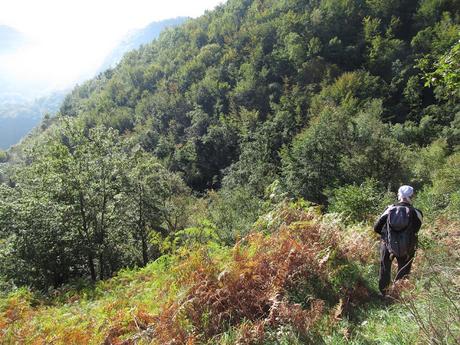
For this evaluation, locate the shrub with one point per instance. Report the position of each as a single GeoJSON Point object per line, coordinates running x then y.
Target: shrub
{"type": "Point", "coordinates": [428, 160]}
{"type": "Point", "coordinates": [428, 199]}
{"type": "Point", "coordinates": [359, 203]}
{"type": "Point", "coordinates": [233, 211]}
{"type": "Point", "coordinates": [454, 205]}
{"type": "Point", "coordinates": [443, 195]}
{"type": "Point", "coordinates": [434, 303]}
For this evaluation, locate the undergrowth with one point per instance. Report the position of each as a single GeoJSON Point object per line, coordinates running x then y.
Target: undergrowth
{"type": "Point", "coordinates": [297, 278]}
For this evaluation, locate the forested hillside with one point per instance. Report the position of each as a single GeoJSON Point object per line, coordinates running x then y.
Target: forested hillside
{"type": "Point", "coordinates": [207, 137]}
{"type": "Point", "coordinates": [223, 94]}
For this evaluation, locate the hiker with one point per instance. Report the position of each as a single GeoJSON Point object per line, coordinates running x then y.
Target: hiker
{"type": "Point", "coordinates": [398, 226]}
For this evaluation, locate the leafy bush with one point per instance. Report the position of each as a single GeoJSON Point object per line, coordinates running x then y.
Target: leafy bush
{"type": "Point", "coordinates": [233, 212]}
{"type": "Point", "coordinates": [428, 160]}
{"type": "Point", "coordinates": [443, 195]}
{"type": "Point", "coordinates": [427, 199]}
{"type": "Point", "coordinates": [360, 203]}
{"type": "Point", "coordinates": [454, 205]}
{"type": "Point", "coordinates": [435, 307]}
{"type": "Point", "coordinates": [433, 302]}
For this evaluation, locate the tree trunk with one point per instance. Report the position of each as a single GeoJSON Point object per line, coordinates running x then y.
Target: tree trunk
{"type": "Point", "coordinates": [101, 266]}
{"type": "Point", "coordinates": [145, 254]}
{"type": "Point", "coordinates": [91, 267]}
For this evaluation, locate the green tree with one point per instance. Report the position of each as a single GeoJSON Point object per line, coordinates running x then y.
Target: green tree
{"type": "Point", "coordinates": [3, 156]}
{"type": "Point", "coordinates": [155, 201]}
{"type": "Point", "coordinates": [446, 75]}
{"type": "Point", "coordinates": [342, 145]}
{"type": "Point", "coordinates": [360, 203]}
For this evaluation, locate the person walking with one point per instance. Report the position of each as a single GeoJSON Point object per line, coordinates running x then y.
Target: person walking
{"type": "Point", "coordinates": [398, 227]}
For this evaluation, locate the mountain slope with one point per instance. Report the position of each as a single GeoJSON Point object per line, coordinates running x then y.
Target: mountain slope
{"type": "Point", "coordinates": [307, 281]}
{"type": "Point", "coordinates": [250, 73]}
{"type": "Point", "coordinates": [214, 156]}
{"type": "Point", "coordinates": [19, 112]}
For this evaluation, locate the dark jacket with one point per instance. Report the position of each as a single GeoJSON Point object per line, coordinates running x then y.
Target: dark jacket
{"type": "Point", "coordinates": [380, 225]}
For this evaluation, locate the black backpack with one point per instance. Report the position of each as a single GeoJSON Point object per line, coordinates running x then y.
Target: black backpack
{"type": "Point", "coordinates": [399, 233]}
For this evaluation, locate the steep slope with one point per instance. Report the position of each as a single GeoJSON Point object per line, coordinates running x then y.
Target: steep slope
{"type": "Point", "coordinates": [11, 40]}
{"type": "Point", "coordinates": [248, 75]}
{"type": "Point", "coordinates": [199, 158]}
{"type": "Point", "coordinates": [325, 101]}
{"type": "Point", "coordinates": [19, 111]}
{"type": "Point", "coordinates": [306, 280]}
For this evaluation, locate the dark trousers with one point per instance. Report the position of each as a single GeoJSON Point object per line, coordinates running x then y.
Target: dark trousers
{"type": "Point", "coordinates": [404, 266]}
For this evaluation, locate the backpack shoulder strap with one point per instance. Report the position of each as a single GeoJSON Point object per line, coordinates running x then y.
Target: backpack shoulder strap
{"type": "Point", "coordinates": [419, 214]}
{"type": "Point", "coordinates": [387, 213]}
{"type": "Point", "coordinates": [387, 210]}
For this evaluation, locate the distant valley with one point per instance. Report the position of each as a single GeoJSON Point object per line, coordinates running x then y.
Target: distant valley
{"type": "Point", "coordinates": [18, 116]}
{"type": "Point", "coordinates": [20, 113]}
{"type": "Point", "coordinates": [137, 38]}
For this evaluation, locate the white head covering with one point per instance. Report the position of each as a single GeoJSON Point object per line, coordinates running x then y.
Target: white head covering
{"type": "Point", "coordinates": [405, 193]}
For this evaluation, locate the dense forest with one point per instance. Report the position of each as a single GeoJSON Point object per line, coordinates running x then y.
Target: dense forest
{"type": "Point", "coordinates": [327, 103]}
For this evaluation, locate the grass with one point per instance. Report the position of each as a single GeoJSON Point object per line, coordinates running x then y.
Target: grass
{"type": "Point", "coordinates": [86, 316]}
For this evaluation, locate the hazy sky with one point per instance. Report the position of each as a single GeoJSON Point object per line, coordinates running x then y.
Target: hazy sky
{"type": "Point", "coordinates": [71, 37]}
